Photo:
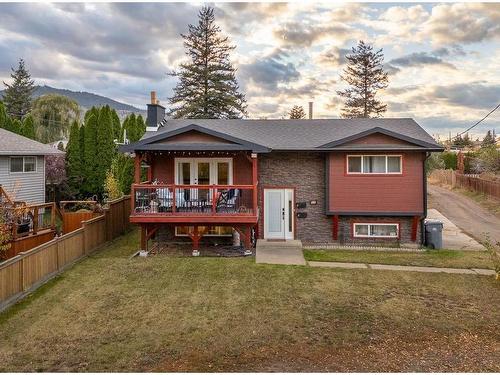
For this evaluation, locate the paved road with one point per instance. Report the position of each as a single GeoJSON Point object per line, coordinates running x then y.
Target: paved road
{"type": "Point", "coordinates": [464, 212]}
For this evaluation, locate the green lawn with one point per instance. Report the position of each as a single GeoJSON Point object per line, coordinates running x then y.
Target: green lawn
{"type": "Point", "coordinates": [112, 313]}
{"type": "Point", "coordinates": [431, 258]}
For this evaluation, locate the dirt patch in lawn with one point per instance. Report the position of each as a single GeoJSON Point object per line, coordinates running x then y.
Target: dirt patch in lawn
{"type": "Point", "coordinates": [112, 313]}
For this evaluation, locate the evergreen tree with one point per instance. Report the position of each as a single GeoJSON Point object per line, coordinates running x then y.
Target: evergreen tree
{"type": "Point", "coordinates": [90, 183]}
{"type": "Point", "coordinates": [3, 116]}
{"type": "Point", "coordinates": [106, 148]}
{"type": "Point", "coordinates": [207, 86]}
{"type": "Point", "coordinates": [17, 96]}
{"type": "Point", "coordinates": [74, 165]}
{"type": "Point", "coordinates": [117, 129]}
{"type": "Point", "coordinates": [365, 76]}
{"type": "Point", "coordinates": [28, 127]}
{"type": "Point", "coordinates": [123, 169]}
{"type": "Point", "coordinates": [488, 140]}
{"type": "Point", "coordinates": [297, 112]}
{"type": "Point", "coordinates": [14, 125]}
{"type": "Point", "coordinates": [140, 126]}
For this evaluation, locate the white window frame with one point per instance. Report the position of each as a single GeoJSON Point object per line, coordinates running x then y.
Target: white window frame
{"type": "Point", "coordinates": [213, 168]}
{"type": "Point", "coordinates": [375, 173]}
{"type": "Point", "coordinates": [370, 235]}
{"type": "Point", "coordinates": [24, 164]}
{"type": "Point", "coordinates": [177, 234]}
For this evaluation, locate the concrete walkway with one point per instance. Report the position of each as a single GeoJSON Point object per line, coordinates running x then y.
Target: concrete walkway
{"type": "Point", "coordinates": [388, 267]}
{"type": "Point", "coordinates": [280, 252]}
{"type": "Point", "coordinates": [453, 237]}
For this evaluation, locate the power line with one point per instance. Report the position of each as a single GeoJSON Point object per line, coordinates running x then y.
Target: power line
{"type": "Point", "coordinates": [480, 121]}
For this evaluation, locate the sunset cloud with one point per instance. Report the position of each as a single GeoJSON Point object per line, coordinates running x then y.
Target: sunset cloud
{"type": "Point", "coordinates": [443, 59]}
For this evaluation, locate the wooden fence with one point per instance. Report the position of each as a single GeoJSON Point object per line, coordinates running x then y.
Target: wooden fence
{"type": "Point", "coordinates": [28, 270]}
{"type": "Point", "coordinates": [465, 181]}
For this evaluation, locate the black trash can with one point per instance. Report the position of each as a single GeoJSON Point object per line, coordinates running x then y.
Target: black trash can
{"type": "Point", "coordinates": [433, 234]}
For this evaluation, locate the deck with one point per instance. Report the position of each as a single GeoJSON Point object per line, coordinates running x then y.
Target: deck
{"type": "Point", "coordinates": [189, 204]}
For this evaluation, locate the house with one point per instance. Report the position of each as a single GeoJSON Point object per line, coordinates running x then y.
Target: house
{"type": "Point", "coordinates": [318, 181]}
{"type": "Point", "coordinates": [22, 167]}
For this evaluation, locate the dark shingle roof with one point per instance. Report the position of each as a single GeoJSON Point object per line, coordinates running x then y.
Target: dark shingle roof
{"type": "Point", "coordinates": [302, 134]}
{"type": "Point", "coordinates": [15, 144]}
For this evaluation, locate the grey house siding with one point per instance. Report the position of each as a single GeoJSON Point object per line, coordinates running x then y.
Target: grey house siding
{"type": "Point", "coordinates": [28, 187]}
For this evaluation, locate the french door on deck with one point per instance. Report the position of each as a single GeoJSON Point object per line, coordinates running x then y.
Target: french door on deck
{"type": "Point", "coordinates": [203, 171]}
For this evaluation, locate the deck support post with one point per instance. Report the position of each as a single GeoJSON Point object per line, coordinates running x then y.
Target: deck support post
{"type": "Point", "coordinates": [254, 182]}
{"type": "Point", "coordinates": [144, 238]}
{"type": "Point", "coordinates": [414, 228]}
{"type": "Point", "coordinates": [196, 237]}
{"type": "Point", "coordinates": [245, 233]}
{"type": "Point", "coordinates": [335, 227]}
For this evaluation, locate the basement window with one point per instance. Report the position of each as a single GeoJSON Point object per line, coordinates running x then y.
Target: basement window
{"type": "Point", "coordinates": [376, 230]}
{"type": "Point", "coordinates": [374, 164]}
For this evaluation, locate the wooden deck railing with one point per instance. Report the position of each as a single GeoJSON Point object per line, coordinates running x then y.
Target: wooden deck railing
{"type": "Point", "coordinates": [30, 269]}
{"type": "Point", "coordinates": [193, 200]}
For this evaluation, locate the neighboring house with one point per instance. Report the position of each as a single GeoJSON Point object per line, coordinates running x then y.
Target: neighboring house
{"type": "Point", "coordinates": [22, 166]}
{"type": "Point", "coordinates": [319, 181]}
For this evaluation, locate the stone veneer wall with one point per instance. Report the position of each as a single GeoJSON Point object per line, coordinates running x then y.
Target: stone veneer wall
{"type": "Point", "coordinates": [305, 172]}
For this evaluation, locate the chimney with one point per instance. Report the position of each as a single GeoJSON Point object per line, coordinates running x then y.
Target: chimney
{"type": "Point", "coordinates": [310, 110]}
{"type": "Point", "coordinates": [156, 113]}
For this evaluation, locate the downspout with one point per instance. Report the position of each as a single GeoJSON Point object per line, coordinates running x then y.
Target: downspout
{"type": "Point", "coordinates": [424, 169]}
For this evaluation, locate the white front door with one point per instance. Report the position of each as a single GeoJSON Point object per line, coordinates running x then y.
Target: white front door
{"type": "Point", "coordinates": [278, 214]}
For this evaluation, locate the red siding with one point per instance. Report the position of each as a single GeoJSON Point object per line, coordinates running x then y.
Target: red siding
{"type": "Point", "coordinates": [376, 193]}
{"type": "Point", "coordinates": [163, 169]}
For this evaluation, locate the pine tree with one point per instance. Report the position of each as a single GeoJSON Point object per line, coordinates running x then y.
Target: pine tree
{"type": "Point", "coordinates": [207, 86]}
{"type": "Point", "coordinates": [74, 165]}
{"type": "Point", "coordinates": [365, 76]}
{"type": "Point", "coordinates": [17, 96]}
{"type": "Point", "coordinates": [28, 127]}
{"type": "Point", "coordinates": [106, 148]}
{"type": "Point", "coordinates": [488, 140]}
{"type": "Point", "coordinates": [297, 112]}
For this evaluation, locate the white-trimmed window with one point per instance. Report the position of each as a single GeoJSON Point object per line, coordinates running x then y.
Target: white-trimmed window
{"type": "Point", "coordinates": [22, 164]}
{"type": "Point", "coordinates": [374, 164]}
{"type": "Point", "coordinates": [376, 230]}
{"type": "Point", "coordinates": [215, 231]}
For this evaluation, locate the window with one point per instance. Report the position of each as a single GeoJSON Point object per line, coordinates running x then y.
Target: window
{"type": "Point", "coordinates": [19, 164]}
{"type": "Point", "coordinates": [215, 231]}
{"type": "Point", "coordinates": [378, 230]}
{"type": "Point", "coordinates": [376, 164]}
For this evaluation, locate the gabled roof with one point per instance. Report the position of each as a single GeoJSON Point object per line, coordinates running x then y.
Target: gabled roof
{"type": "Point", "coordinates": [150, 143]}
{"type": "Point", "coordinates": [293, 135]}
{"type": "Point", "coordinates": [15, 144]}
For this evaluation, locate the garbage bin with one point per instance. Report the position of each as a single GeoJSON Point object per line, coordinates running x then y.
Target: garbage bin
{"type": "Point", "coordinates": [433, 234]}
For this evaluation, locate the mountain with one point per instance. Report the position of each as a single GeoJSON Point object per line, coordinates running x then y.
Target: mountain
{"type": "Point", "coordinates": [87, 100]}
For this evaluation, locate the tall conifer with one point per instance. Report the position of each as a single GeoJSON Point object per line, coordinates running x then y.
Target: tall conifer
{"type": "Point", "coordinates": [17, 95]}
{"type": "Point", "coordinates": [207, 86]}
{"type": "Point", "coordinates": [365, 76]}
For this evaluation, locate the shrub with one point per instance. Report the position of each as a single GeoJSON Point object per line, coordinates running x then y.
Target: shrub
{"type": "Point", "coordinates": [450, 160]}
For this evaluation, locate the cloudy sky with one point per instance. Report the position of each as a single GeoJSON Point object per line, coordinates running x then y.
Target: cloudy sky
{"type": "Point", "coordinates": [443, 59]}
